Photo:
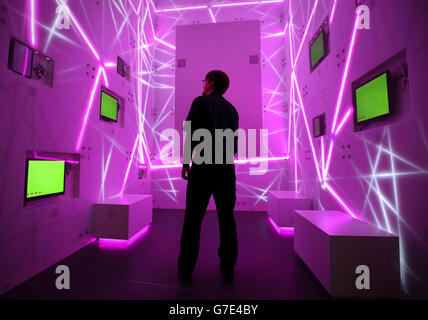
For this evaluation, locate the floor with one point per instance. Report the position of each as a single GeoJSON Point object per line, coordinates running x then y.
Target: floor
{"type": "Point", "coordinates": [267, 267]}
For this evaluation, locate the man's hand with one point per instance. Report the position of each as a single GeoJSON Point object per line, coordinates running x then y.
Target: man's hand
{"type": "Point", "coordinates": [185, 173]}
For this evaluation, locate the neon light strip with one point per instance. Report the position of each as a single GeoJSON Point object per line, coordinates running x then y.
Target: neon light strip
{"type": "Point", "coordinates": [79, 28]}
{"type": "Point", "coordinates": [135, 10]}
{"type": "Point", "coordinates": [341, 201]}
{"type": "Point", "coordinates": [244, 3]}
{"type": "Point", "coordinates": [212, 15]}
{"type": "Point", "coordinates": [123, 244]}
{"type": "Point", "coordinates": [129, 166]}
{"type": "Point", "coordinates": [333, 10]}
{"type": "Point", "coordinates": [307, 128]}
{"type": "Point", "coordinates": [54, 159]}
{"type": "Point", "coordinates": [239, 161]}
{"type": "Point", "coordinates": [281, 230]}
{"type": "Point", "coordinates": [88, 110]}
{"type": "Point", "coordinates": [279, 34]}
{"type": "Point", "coordinates": [322, 160]}
{"type": "Point", "coordinates": [105, 77]}
{"type": "Point", "coordinates": [109, 64]}
{"type": "Point", "coordinates": [306, 33]}
{"type": "Point", "coordinates": [342, 87]}
{"type": "Point", "coordinates": [181, 9]}
{"type": "Point", "coordinates": [344, 121]}
{"type": "Point", "coordinates": [26, 61]}
{"type": "Point", "coordinates": [345, 71]}
{"type": "Point", "coordinates": [33, 22]}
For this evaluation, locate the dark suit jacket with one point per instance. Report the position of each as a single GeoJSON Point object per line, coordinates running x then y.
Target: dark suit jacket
{"type": "Point", "coordinates": [212, 112]}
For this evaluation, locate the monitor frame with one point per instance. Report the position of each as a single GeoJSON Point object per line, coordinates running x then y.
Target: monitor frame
{"type": "Point", "coordinates": [26, 200]}
{"type": "Point", "coordinates": [11, 56]}
{"type": "Point", "coordinates": [361, 125]}
{"type": "Point", "coordinates": [324, 30]}
{"type": "Point", "coordinates": [114, 96]}
{"type": "Point", "coordinates": [323, 125]}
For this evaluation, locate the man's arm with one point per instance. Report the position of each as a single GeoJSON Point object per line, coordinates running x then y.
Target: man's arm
{"type": "Point", "coordinates": [235, 127]}
{"type": "Point", "coordinates": [188, 148]}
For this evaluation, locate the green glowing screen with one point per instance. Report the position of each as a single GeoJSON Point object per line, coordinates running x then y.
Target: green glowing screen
{"type": "Point", "coordinates": [317, 49]}
{"type": "Point", "coordinates": [372, 99]}
{"type": "Point", "coordinates": [44, 177]}
{"type": "Point", "coordinates": [108, 106]}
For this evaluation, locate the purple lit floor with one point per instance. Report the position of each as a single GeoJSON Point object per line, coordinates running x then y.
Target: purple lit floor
{"type": "Point", "coordinates": [267, 267]}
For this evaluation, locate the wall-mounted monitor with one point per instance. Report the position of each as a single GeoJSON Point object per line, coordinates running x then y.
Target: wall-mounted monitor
{"type": "Point", "coordinates": [20, 58]}
{"type": "Point", "coordinates": [319, 46]}
{"type": "Point", "coordinates": [109, 106]}
{"type": "Point", "coordinates": [123, 68]}
{"type": "Point", "coordinates": [44, 178]}
{"type": "Point", "coordinates": [371, 100]}
{"type": "Point", "coordinates": [319, 126]}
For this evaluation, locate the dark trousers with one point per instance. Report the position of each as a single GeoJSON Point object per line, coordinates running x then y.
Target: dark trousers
{"type": "Point", "coordinates": [204, 181]}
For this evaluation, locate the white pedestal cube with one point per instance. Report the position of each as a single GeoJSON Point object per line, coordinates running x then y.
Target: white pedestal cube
{"type": "Point", "coordinates": [282, 204]}
{"type": "Point", "coordinates": [122, 217]}
{"type": "Point", "coordinates": [344, 253]}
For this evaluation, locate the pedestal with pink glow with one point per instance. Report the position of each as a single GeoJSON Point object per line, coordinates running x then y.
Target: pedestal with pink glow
{"type": "Point", "coordinates": [333, 245]}
{"type": "Point", "coordinates": [122, 217]}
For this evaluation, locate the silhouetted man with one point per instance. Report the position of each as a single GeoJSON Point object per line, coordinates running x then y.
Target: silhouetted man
{"type": "Point", "coordinates": [210, 111]}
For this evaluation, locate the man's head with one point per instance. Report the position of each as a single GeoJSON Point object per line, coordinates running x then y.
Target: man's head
{"type": "Point", "coordinates": [216, 81]}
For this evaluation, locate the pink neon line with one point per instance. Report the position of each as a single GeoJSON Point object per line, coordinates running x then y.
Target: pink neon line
{"type": "Point", "coordinates": [343, 122]}
{"type": "Point", "coordinates": [291, 106]}
{"type": "Point", "coordinates": [54, 159]}
{"type": "Point", "coordinates": [181, 9]}
{"type": "Point", "coordinates": [245, 3]}
{"type": "Point", "coordinates": [129, 166]}
{"type": "Point", "coordinates": [289, 231]}
{"type": "Point", "coordinates": [322, 160]}
{"type": "Point", "coordinates": [105, 77]}
{"type": "Point", "coordinates": [33, 22]}
{"type": "Point", "coordinates": [343, 204]}
{"type": "Point", "coordinates": [26, 61]}
{"type": "Point", "coordinates": [212, 15]}
{"type": "Point", "coordinates": [239, 161]}
{"type": "Point", "coordinates": [135, 10]}
{"type": "Point", "coordinates": [307, 127]}
{"type": "Point", "coordinates": [82, 33]}
{"type": "Point", "coordinates": [279, 34]}
{"type": "Point", "coordinates": [295, 143]}
{"type": "Point", "coordinates": [123, 244]}
{"type": "Point", "coordinates": [88, 110]}
{"type": "Point", "coordinates": [165, 43]}
{"type": "Point", "coordinates": [305, 34]}
{"type": "Point", "coordinates": [342, 87]}
{"type": "Point", "coordinates": [333, 10]}
{"type": "Point", "coordinates": [345, 72]}
{"type": "Point", "coordinates": [109, 64]}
